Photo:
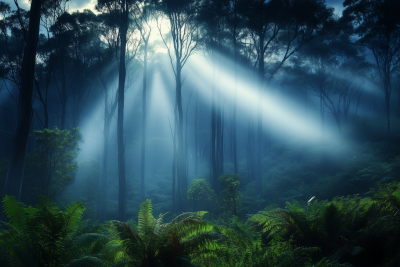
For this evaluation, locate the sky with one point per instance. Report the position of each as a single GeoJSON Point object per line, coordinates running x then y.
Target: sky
{"type": "Point", "coordinates": [89, 4]}
{"type": "Point", "coordinates": [73, 4]}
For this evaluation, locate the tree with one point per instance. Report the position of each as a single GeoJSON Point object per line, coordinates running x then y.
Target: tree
{"type": "Point", "coordinates": [325, 66]}
{"type": "Point", "coordinates": [183, 29]}
{"type": "Point", "coordinates": [214, 38]}
{"type": "Point", "coordinates": [231, 198]}
{"type": "Point", "coordinates": [278, 28]}
{"type": "Point", "coordinates": [121, 99]}
{"type": "Point", "coordinates": [83, 56]}
{"type": "Point", "coordinates": [51, 165]}
{"type": "Point", "coordinates": [201, 193]}
{"type": "Point", "coordinates": [234, 21]}
{"type": "Point", "coordinates": [15, 172]}
{"type": "Point", "coordinates": [377, 26]}
{"type": "Point", "coordinates": [62, 30]}
{"type": "Point", "coordinates": [143, 12]}
{"type": "Point", "coordinates": [110, 31]}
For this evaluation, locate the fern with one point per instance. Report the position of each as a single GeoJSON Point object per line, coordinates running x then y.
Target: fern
{"type": "Point", "coordinates": [168, 243]}
{"type": "Point", "coordinates": [40, 235]}
{"type": "Point", "coordinates": [145, 217]}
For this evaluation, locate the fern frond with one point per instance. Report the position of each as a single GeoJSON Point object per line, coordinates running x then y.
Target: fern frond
{"type": "Point", "coordinates": [133, 244]}
{"type": "Point", "coordinates": [73, 215]}
{"type": "Point", "coordinates": [145, 217]}
{"type": "Point", "coordinates": [16, 212]}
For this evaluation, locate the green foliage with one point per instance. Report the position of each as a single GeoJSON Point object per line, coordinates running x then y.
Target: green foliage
{"type": "Point", "coordinates": [238, 246]}
{"type": "Point", "coordinates": [50, 167]}
{"type": "Point", "coordinates": [230, 197]}
{"type": "Point", "coordinates": [163, 244]}
{"type": "Point", "coordinates": [41, 235]}
{"type": "Point", "coordinates": [342, 229]}
{"type": "Point", "coordinates": [201, 193]}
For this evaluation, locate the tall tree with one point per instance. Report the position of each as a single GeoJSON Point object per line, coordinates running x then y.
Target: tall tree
{"type": "Point", "coordinates": [213, 15]}
{"type": "Point", "coordinates": [15, 171]}
{"type": "Point", "coordinates": [121, 99]}
{"type": "Point", "coordinates": [234, 21]}
{"type": "Point", "coordinates": [62, 29]}
{"type": "Point", "coordinates": [377, 24]}
{"type": "Point", "coordinates": [280, 28]}
{"type": "Point", "coordinates": [143, 13]}
{"type": "Point", "coordinates": [183, 30]}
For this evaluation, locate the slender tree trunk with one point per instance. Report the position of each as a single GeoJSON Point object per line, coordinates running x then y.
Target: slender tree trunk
{"type": "Point", "coordinates": [213, 171]}
{"type": "Point", "coordinates": [196, 156]}
{"type": "Point", "coordinates": [259, 146]}
{"type": "Point", "coordinates": [103, 197]}
{"type": "Point", "coordinates": [181, 163]}
{"type": "Point", "coordinates": [15, 173]}
{"type": "Point", "coordinates": [144, 113]}
{"type": "Point", "coordinates": [120, 126]}
{"type": "Point", "coordinates": [234, 142]}
{"type": "Point", "coordinates": [387, 100]}
{"type": "Point", "coordinates": [64, 95]}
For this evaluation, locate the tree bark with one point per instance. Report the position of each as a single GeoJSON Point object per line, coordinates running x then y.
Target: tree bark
{"type": "Point", "coordinates": [15, 171]}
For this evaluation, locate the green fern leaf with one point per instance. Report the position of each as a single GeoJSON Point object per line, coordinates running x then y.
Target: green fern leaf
{"type": "Point", "coordinates": [145, 217]}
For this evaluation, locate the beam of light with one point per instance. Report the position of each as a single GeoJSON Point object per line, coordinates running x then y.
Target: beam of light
{"type": "Point", "coordinates": [92, 125]}
{"type": "Point", "coordinates": [277, 113]}
{"type": "Point", "coordinates": [160, 109]}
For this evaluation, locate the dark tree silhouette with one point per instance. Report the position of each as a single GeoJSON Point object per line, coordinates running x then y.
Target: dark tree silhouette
{"type": "Point", "coordinates": [16, 167]}
{"type": "Point", "coordinates": [279, 27]}
{"type": "Point", "coordinates": [377, 23]}
{"type": "Point", "coordinates": [120, 124]}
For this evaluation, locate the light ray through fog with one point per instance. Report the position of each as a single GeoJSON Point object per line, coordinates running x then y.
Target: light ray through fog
{"type": "Point", "coordinates": [276, 113]}
{"type": "Point", "coordinates": [93, 126]}
{"type": "Point", "coordinates": [160, 109]}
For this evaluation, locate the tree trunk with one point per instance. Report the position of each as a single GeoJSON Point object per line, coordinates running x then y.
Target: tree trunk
{"type": "Point", "coordinates": [181, 163]}
{"type": "Point", "coordinates": [63, 89]}
{"type": "Point", "coordinates": [120, 123]}
{"type": "Point", "coordinates": [15, 173]}
{"type": "Point", "coordinates": [259, 146]}
{"type": "Point", "coordinates": [387, 100]}
{"type": "Point", "coordinates": [143, 152]}
{"type": "Point", "coordinates": [196, 156]}
{"type": "Point", "coordinates": [213, 171]}
{"type": "Point", "coordinates": [234, 142]}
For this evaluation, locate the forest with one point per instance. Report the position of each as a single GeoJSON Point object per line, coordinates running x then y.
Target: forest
{"type": "Point", "coordinates": [200, 133]}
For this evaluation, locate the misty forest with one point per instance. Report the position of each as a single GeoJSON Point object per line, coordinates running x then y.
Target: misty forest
{"type": "Point", "coordinates": [200, 133]}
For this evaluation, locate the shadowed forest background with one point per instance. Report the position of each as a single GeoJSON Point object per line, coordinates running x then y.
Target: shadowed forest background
{"type": "Point", "coordinates": [200, 133]}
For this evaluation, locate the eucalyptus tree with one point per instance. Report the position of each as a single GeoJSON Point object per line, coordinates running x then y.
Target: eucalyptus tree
{"type": "Point", "coordinates": [107, 70]}
{"type": "Point", "coordinates": [213, 17]}
{"type": "Point", "coordinates": [115, 31]}
{"type": "Point", "coordinates": [144, 13]}
{"type": "Point", "coordinates": [234, 25]}
{"type": "Point", "coordinates": [121, 99]}
{"type": "Point", "coordinates": [15, 173]}
{"type": "Point", "coordinates": [377, 26]}
{"type": "Point", "coordinates": [180, 16]}
{"type": "Point", "coordinates": [83, 56]}
{"type": "Point", "coordinates": [118, 12]}
{"type": "Point", "coordinates": [278, 29]}
{"type": "Point", "coordinates": [12, 25]}
{"type": "Point", "coordinates": [62, 29]}
{"type": "Point", "coordinates": [326, 66]}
